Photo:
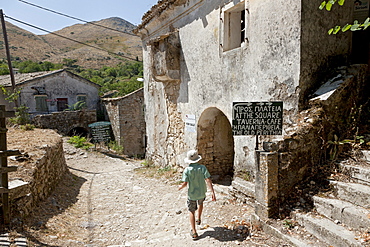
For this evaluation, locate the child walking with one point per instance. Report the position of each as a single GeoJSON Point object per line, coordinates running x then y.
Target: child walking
{"type": "Point", "coordinates": [195, 177]}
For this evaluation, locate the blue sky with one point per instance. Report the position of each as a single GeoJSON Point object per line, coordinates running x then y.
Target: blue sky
{"type": "Point", "coordinates": [89, 10]}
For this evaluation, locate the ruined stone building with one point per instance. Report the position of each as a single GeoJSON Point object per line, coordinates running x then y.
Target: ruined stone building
{"type": "Point", "coordinates": [48, 93]}
{"type": "Point", "coordinates": [51, 91]}
{"type": "Point", "coordinates": [201, 56]}
{"type": "Point", "coordinates": [126, 114]}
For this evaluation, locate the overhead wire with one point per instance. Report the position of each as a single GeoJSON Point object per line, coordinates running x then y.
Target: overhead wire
{"type": "Point", "coordinates": [82, 43]}
{"type": "Point", "coordinates": [75, 18]}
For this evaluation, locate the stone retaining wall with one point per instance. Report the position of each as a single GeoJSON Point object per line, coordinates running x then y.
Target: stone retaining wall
{"type": "Point", "coordinates": [46, 173]}
{"type": "Point", "coordinates": [66, 121]}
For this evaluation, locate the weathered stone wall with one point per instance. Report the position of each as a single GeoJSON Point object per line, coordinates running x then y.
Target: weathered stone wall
{"type": "Point", "coordinates": [303, 150]}
{"type": "Point", "coordinates": [126, 115]}
{"type": "Point", "coordinates": [46, 173]}
{"type": "Point", "coordinates": [65, 122]}
{"type": "Point", "coordinates": [211, 77]}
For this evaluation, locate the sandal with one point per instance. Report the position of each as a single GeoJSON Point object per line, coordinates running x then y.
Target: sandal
{"type": "Point", "coordinates": [194, 235]}
{"type": "Point", "coordinates": [198, 222]}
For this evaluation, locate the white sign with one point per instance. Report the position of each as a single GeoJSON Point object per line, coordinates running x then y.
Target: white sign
{"type": "Point", "coordinates": [190, 123]}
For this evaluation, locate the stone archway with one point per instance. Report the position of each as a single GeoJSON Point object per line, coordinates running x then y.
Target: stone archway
{"type": "Point", "coordinates": [216, 144]}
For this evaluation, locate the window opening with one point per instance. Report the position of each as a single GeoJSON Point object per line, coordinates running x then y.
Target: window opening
{"type": "Point", "coordinates": [62, 104]}
{"type": "Point", "coordinates": [41, 104]}
{"type": "Point", "coordinates": [234, 27]}
{"type": "Point", "coordinates": [81, 97]}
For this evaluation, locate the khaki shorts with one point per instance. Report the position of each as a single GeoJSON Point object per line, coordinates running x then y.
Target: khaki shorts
{"type": "Point", "coordinates": [193, 205]}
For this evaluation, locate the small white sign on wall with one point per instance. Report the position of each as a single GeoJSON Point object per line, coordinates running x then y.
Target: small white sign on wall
{"type": "Point", "coordinates": [190, 123]}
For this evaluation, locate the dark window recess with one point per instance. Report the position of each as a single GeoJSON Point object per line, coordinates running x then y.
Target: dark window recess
{"type": "Point", "coordinates": [62, 104]}
{"type": "Point", "coordinates": [242, 26]}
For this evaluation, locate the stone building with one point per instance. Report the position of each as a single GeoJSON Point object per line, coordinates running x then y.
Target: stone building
{"type": "Point", "coordinates": [51, 91]}
{"type": "Point", "coordinates": [126, 114]}
{"type": "Point", "coordinates": [202, 56]}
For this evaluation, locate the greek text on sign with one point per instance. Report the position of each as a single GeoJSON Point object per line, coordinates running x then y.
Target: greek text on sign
{"type": "Point", "coordinates": [257, 118]}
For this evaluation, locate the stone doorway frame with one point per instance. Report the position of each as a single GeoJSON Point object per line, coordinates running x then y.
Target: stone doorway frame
{"type": "Point", "coordinates": [215, 143]}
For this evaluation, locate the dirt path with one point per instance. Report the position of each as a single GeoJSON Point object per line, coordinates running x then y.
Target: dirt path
{"type": "Point", "coordinates": [103, 201]}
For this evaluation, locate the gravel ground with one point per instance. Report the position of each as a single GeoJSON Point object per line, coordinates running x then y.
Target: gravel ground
{"type": "Point", "coordinates": [106, 201]}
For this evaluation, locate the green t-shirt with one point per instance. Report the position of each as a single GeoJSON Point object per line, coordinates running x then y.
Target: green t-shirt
{"type": "Point", "coordinates": [195, 174]}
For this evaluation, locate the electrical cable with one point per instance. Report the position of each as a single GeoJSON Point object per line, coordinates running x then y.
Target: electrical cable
{"type": "Point", "coordinates": [44, 30]}
{"type": "Point", "coordinates": [75, 18]}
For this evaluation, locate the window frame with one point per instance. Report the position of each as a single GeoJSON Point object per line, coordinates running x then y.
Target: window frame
{"type": "Point", "coordinates": [40, 106]}
{"type": "Point", "coordinates": [233, 35]}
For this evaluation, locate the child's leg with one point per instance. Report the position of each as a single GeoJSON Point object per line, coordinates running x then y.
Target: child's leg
{"type": "Point", "coordinates": [192, 221]}
{"type": "Point", "coordinates": [200, 210]}
{"type": "Point", "coordinates": [192, 206]}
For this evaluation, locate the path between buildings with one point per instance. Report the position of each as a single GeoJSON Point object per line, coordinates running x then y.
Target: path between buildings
{"type": "Point", "coordinates": [103, 201]}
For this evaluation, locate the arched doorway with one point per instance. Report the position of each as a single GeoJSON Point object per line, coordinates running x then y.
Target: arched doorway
{"type": "Point", "coordinates": [78, 131]}
{"type": "Point", "coordinates": [216, 144]}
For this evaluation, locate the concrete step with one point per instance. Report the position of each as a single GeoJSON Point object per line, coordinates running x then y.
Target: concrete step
{"type": "Point", "coordinates": [297, 240]}
{"type": "Point", "coordinates": [327, 230]}
{"type": "Point", "coordinates": [243, 190]}
{"type": "Point", "coordinates": [365, 155]}
{"type": "Point", "coordinates": [344, 212]}
{"type": "Point", "coordinates": [358, 194]}
{"type": "Point", "coordinates": [360, 174]}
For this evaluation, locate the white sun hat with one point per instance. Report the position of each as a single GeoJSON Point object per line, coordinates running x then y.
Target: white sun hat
{"type": "Point", "coordinates": [192, 157]}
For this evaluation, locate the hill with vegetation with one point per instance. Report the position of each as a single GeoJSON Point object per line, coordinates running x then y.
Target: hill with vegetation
{"type": "Point", "coordinates": [115, 63]}
{"type": "Point", "coordinates": [114, 44]}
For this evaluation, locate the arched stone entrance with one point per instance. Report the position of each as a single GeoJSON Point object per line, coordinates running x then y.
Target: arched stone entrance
{"type": "Point", "coordinates": [216, 144]}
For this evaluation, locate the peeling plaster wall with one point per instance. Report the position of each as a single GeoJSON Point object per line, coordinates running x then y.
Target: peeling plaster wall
{"type": "Point", "coordinates": [273, 65]}
{"type": "Point", "coordinates": [60, 85]}
{"type": "Point", "coordinates": [265, 69]}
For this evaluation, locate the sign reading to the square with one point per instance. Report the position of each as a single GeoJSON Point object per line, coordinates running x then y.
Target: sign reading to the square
{"type": "Point", "coordinates": [257, 118]}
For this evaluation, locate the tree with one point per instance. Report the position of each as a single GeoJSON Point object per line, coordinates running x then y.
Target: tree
{"type": "Point", "coordinates": [356, 26]}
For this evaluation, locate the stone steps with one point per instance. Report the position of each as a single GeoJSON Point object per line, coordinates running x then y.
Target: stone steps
{"type": "Point", "coordinates": [342, 214]}
{"type": "Point", "coordinates": [17, 242]}
{"type": "Point", "coordinates": [355, 193]}
{"type": "Point", "coordinates": [328, 231]}
{"type": "Point", "coordinates": [243, 190]}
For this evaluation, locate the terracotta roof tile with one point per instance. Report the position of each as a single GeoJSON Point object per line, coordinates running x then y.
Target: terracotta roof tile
{"type": "Point", "coordinates": [156, 10]}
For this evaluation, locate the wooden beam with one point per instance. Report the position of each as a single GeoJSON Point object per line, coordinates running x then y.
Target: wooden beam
{"type": "Point", "coordinates": [8, 169]}
{"type": "Point", "coordinates": [7, 153]}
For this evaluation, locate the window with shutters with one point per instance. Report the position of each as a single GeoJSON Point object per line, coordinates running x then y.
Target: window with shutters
{"type": "Point", "coordinates": [41, 103]}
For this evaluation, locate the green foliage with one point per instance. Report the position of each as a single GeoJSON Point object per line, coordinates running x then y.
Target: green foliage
{"type": "Point", "coordinates": [147, 163]}
{"type": "Point", "coordinates": [30, 66]}
{"type": "Point", "coordinates": [76, 106]}
{"type": "Point", "coordinates": [356, 26]}
{"type": "Point", "coordinates": [22, 116]}
{"type": "Point", "coordinates": [115, 146]}
{"type": "Point", "coordinates": [10, 96]}
{"type": "Point", "coordinates": [329, 4]}
{"type": "Point", "coordinates": [28, 127]}
{"type": "Point", "coordinates": [122, 77]}
{"type": "Point", "coordinates": [80, 142]}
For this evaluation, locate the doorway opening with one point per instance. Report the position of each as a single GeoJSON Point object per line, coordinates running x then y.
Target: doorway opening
{"type": "Point", "coordinates": [215, 143]}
